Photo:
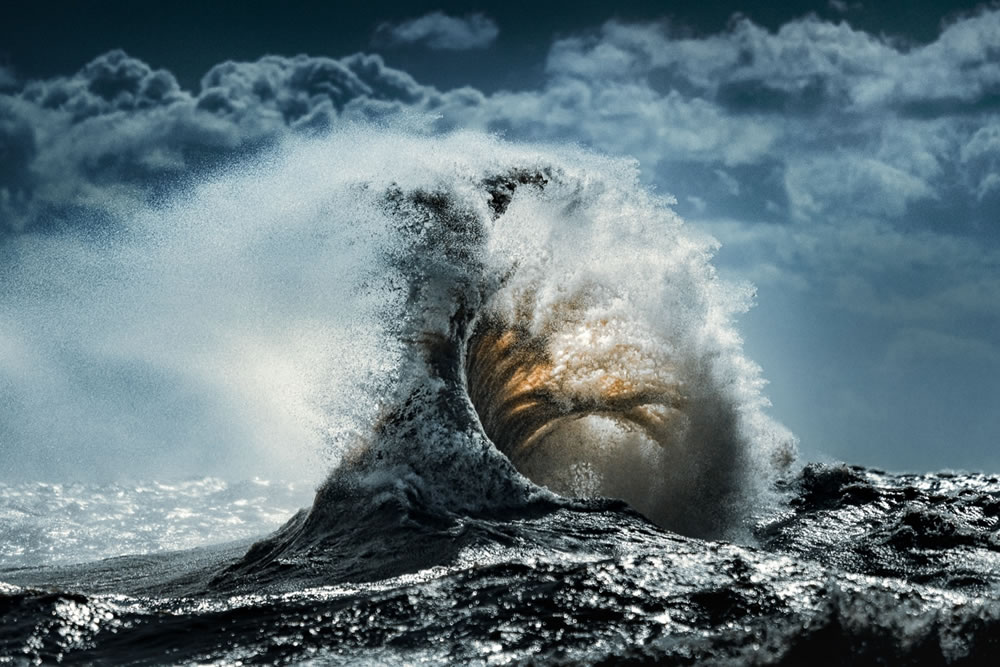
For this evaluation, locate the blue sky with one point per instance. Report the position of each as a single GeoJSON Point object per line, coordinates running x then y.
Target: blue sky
{"type": "Point", "coordinates": [846, 156]}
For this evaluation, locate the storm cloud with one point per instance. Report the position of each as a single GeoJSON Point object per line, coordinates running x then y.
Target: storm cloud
{"type": "Point", "coordinates": [88, 146]}
{"type": "Point", "coordinates": [804, 124]}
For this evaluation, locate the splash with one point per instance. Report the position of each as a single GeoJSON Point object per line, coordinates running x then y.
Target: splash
{"type": "Point", "coordinates": [550, 308]}
{"type": "Point", "coordinates": [442, 317]}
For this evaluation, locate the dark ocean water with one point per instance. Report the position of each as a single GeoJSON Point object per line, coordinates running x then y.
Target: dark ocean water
{"type": "Point", "coordinates": [850, 566]}
{"type": "Point", "coordinates": [488, 343]}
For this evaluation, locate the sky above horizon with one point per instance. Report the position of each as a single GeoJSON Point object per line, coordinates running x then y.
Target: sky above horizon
{"type": "Point", "coordinates": [846, 155]}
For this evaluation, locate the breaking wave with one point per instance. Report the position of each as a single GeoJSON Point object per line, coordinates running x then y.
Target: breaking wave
{"type": "Point", "coordinates": [541, 304]}
{"type": "Point", "coordinates": [457, 320]}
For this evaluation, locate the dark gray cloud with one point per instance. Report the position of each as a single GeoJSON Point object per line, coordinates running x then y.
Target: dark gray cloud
{"type": "Point", "coordinates": [117, 132]}
{"type": "Point", "coordinates": [438, 30]}
{"type": "Point", "coordinates": [110, 83]}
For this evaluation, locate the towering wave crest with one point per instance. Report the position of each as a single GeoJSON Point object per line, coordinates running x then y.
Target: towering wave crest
{"type": "Point", "coordinates": [545, 306]}
{"type": "Point", "coordinates": [455, 316]}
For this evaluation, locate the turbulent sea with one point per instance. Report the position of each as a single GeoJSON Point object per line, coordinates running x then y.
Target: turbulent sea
{"type": "Point", "coordinates": [541, 440]}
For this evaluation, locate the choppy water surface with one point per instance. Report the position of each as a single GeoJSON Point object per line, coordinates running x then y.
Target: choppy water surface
{"type": "Point", "coordinates": [47, 523]}
{"type": "Point", "coordinates": [854, 567]}
{"type": "Point", "coordinates": [488, 343]}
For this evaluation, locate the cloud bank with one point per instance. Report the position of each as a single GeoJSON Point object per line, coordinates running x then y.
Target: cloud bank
{"type": "Point", "coordinates": [88, 146]}
{"type": "Point", "coordinates": [795, 124]}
